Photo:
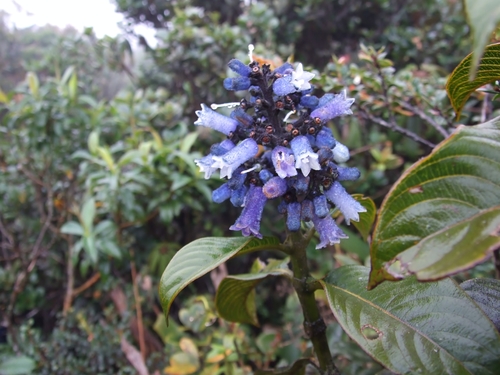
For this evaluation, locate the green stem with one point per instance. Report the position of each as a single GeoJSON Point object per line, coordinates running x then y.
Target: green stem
{"type": "Point", "coordinates": [314, 325]}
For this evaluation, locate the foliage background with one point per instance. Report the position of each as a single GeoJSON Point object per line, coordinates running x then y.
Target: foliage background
{"type": "Point", "coordinates": [99, 188]}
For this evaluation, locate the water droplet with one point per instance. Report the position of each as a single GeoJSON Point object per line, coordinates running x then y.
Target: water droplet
{"type": "Point", "coordinates": [435, 350]}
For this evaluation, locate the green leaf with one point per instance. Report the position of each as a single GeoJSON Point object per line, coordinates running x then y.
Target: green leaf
{"type": "Point", "coordinates": [17, 366]}
{"type": "Point", "coordinates": [486, 293]}
{"type": "Point", "coordinates": [73, 86]}
{"type": "Point", "coordinates": [458, 180]}
{"type": "Point", "coordinates": [412, 327]}
{"type": "Point", "coordinates": [200, 257]}
{"type": "Point", "coordinates": [455, 248]}
{"type": "Point", "coordinates": [3, 98]}
{"type": "Point", "coordinates": [72, 227]}
{"type": "Point", "coordinates": [33, 83]}
{"type": "Point", "coordinates": [188, 142]}
{"type": "Point", "coordinates": [90, 247]}
{"type": "Point", "coordinates": [459, 87]}
{"type": "Point", "coordinates": [483, 16]}
{"type": "Point", "coordinates": [93, 141]}
{"type": "Point", "coordinates": [87, 215]}
{"type": "Point", "coordinates": [106, 156]}
{"type": "Point", "coordinates": [111, 248]}
{"type": "Point", "coordinates": [235, 299]}
{"type": "Point", "coordinates": [366, 219]}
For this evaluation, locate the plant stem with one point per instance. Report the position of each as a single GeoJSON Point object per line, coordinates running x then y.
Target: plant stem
{"type": "Point", "coordinates": [314, 325]}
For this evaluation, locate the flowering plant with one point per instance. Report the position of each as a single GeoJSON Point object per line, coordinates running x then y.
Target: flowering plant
{"type": "Point", "coordinates": [278, 146]}
{"type": "Point", "coordinates": [283, 149]}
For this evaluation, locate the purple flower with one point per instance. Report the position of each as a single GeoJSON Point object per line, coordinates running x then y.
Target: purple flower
{"type": "Point", "coordinates": [293, 216]}
{"type": "Point", "coordinates": [228, 162]}
{"type": "Point", "coordinates": [238, 196]}
{"type": "Point", "coordinates": [306, 158]}
{"type": "Point", "coordinates": [300, 183]}
{"type": "Point", "coordinates": [339, 105]}
{"type": "Point", "coordinates": [309, 101]}
{"type": "Point", "coordinates": [249, 220]}
{"type": "Point", "coordinates": [283, 161]}
{"type": "Point", "coordinates": [265, 175]}
{"type": "Point", "coordinates": [329, 232]}
{"type": "Point", "coordinates": [349, 207]}
{"type": "Point", "coordinates": [275, 187]}
{"type": "Point", "coordinates": [214, 120]}
{"type": "Point", "coordinates": [321, 208]}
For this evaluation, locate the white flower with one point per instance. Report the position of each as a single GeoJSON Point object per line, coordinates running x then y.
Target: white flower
{"type": "Point", "coordinates": [300, 78]}
{"type": "Point", "coordinates": [306, 158]}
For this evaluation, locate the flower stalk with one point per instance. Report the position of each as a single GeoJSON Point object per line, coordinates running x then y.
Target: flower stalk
{"type": "Point", "coordinates": [303, 284]}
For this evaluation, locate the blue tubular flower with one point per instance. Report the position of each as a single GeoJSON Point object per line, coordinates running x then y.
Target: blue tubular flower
{"type": "Point", "coordinates": [293, 216]}
{"type": "Point", "coordinates": [329, 232]}
{"type": "Point", "coordinates": [325, 138]}
{"type": "Point", "coordinates": [237, 179]}
{"type": "Point", "coordinates": [341, 153]}
{"type": "Point", "coordinates": [321, 208]}
{"type": "Point", "coordinates": [284, 86]}
{"type": "Point", "coordinates": [309, 101]}
{"type": "Point", "coordinates": [284, 162]}
{"type": "Point", "coordinates": [286, 68]}
{"type": "Point", "coordinates": [339, 105]}
{"type": "Point", "coordinates": [348, 174]}
{"type": "Point", "coordinates": [349, 207]}
{"type": "Point", "coordinates": [265, 175]}
{"type": "Point", "coordinates": [239, 67]}
{"type": "Point", "coordinates": [305, 157]}
{"type": "Point", "coordinates": [222, 193]}
{"type": "Point", "coordinates": [242, 117]}
{"type": "Point", "coordinates": [228, 162]}
{"type": "Point", "coordinates": [274, 188]}
{"type": "Point", "coordinates": [214, 120]}
{"type": "Point", "coordinates": [218, 149]}
{"type": "Point", "coordinates": [300, 184]}
{"type": "Point", "coordinates": [238, 196]}
{"type": "Point", "coordinates": [237, 83]}
{"type": "Point", "coordinates": [249, 220]}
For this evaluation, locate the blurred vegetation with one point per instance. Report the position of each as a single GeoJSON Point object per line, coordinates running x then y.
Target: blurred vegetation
{"type": "Point", "coordinates": [99, 188]}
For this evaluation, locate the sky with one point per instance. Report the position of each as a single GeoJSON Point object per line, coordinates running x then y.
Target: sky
{"type": "Point", "coordinates": [98, 14]}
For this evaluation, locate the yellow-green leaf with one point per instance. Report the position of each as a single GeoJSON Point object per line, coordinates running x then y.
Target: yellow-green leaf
{"type": "Point", "coordinates": [459, 87]}
{"type": "Point", "coordinates": [366, 219]}
{"type": "Point", "coordinates": [484, 16]}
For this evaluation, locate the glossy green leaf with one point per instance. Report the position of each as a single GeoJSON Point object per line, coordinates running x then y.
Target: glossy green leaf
{"type": "Point", "coordinates": [412, 327]}
{"type": "Point", "coordinates": [200, 257]}
{"type": "Point", "coordinates": [366, 219]}
{"type": "Point", "coordinates": [72, 227]}
{"type": "Point", "coordinates": [455, 248]}
{"type": "Point", "coordinates": [459, 87]}
{"type": "Point", "coordinates": [484, 16]}
{"type": "Point", "coordinates": [235, 299]}
{"type": "Point", "coordinates": [486, 293]}
{"type": "Point", "coordinates": [458, 180]}
{"type": "Point", "coordinates": [90, 247]}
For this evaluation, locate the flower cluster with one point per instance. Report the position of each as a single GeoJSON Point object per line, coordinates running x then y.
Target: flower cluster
{"type": "Point", "coordinates": [278, 146]}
